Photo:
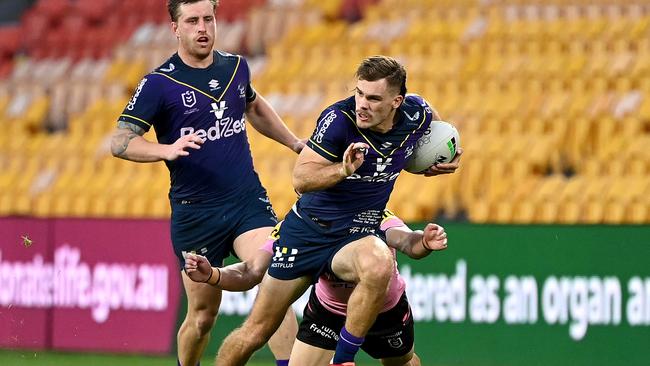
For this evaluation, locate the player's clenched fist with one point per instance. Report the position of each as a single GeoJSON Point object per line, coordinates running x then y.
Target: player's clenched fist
{"type": "Point", "coordinates": [197, 267]}
{"type": "Point", "coordinates": [434, 237]}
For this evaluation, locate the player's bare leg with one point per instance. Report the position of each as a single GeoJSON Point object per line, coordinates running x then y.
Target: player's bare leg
{"type": "Point", "coordinates": [304, 354]}
{"type": "Point", "coordinates": [202, 308]}
{"type": "Point", "coordinates": [247, 245]}
{"type": "Point", "coordinates": [283, 339]}
{"type": "Point", "coordinates": [369, 263]}
{"type": "Point", "coordinates": [269, 309]}
{"type": "Point", "coordinates": [409, 359]}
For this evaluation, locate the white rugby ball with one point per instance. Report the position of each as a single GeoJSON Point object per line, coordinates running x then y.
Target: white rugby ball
{"type": "Point", "coordinates": [438, 145]}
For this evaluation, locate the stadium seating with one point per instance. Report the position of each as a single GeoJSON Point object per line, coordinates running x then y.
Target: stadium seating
{"type": "Point", "coordinates": [550, 97]}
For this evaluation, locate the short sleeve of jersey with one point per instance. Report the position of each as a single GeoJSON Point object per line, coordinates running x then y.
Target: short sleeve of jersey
{"type": "Point", "coordinates": [251, 94]}
{"type": "Point", "coordinates": [329, 137]}
{"type": "Point", "coordinates": [144, 104]}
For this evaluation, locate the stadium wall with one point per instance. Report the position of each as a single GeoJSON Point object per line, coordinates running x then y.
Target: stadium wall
{"type": "Point", "coordinates": [500, 295]}
{"type": "Point", "coordinates": [88, 285]}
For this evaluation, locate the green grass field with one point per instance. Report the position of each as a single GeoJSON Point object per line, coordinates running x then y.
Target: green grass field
{"type": "Point", "coordinates": [39, 358]}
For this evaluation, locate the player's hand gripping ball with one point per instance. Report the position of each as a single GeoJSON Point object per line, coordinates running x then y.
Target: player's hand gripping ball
{"type": "Point", "coordinates": [438, 145]}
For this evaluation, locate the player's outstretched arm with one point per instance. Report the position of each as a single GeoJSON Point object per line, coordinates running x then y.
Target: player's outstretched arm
{"type": "Point", "coordinates": [127, 143]}
{"type": "Point", "coordinates": [241, 276]}
{"type": "Point", "coordinates": [313, 172]}
{"type": "Point", "coordinates": [417, 244]}
{"type": "Point", "coordinates": [264, 119]}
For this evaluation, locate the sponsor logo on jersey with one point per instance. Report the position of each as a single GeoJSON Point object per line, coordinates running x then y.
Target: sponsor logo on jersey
{"type": "Point", "coordinates": [379, 176]}
{"type": "Point", "coordinates": [170, 68]}
{"type": "Point", "coordinates": [135, 96]}
{"type": "Point", "coordinates": [386, 145]}
{"type": "Point", "coordinates": [222, 128]}
{"type": "Point", "coordinates": [189, 98]}
{"type": "Point", "coordinates": [214, 85]}
{"type": "Point", "coordinates": [284, 257]}
{"type": "Point", "coordinates": [241, 88]}
{"type": "Point", "coordinates": [323, 125]}
{"type": "Point", "coordinates": [324, 331]}
{"type": "Point", "coordinates": [414, 117]}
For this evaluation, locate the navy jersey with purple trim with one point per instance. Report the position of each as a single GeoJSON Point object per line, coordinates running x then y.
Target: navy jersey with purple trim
{"type": "Point", "coordinates": [356, 203]}
{"type": "Point", "coordinates": [177, 100]}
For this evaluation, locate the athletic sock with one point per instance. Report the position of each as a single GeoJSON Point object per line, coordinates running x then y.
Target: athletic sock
{"type": "Point", "coordinates": [347, 347]}
{"type": "Point", "coordinates": [281, 362]}
{"type": "Point", "coordinates": [179, 363]}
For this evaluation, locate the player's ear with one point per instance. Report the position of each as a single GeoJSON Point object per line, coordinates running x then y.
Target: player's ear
{"type": "Point", "coordinates": [397, 101]}
{"type": "Point", "coordinates": [175, 29]}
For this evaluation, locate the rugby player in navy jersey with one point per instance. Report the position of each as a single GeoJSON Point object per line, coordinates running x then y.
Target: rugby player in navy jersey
{"type": "Point", "coordinates": [198, 102]}
{"type": "Point", "coordinates": [391, 337]}
{"type": "Point", "coordinates": [345, 175]}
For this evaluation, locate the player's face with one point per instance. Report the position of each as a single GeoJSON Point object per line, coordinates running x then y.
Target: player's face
{"type": "Point", "coordinates": [195, 29]}
{"type": "Point", "coordinates": [376, 104]}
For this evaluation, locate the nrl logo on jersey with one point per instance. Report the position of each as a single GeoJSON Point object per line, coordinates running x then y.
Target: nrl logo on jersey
{"type": "Point", "coordinates": [189, 98]}
{"type": "Point", "coordinates": [214, 85]}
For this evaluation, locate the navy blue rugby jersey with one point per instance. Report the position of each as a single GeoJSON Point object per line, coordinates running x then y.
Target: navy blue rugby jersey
{"type": "Point", "coordinates": [177, 100]}
{"type": "Point", "coordinates": [357, 202]}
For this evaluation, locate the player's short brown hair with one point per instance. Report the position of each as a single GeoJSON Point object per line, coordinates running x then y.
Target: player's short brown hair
{"type": "Point", "coordinates": [173, 7]}
{"type": "Point", "coordinates": [379, 67]}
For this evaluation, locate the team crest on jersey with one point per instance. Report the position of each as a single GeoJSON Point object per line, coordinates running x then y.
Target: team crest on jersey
{"type": "Point", "coordinates": [219, 108]}
{"type": "Point", "coordinates": [241, 88]}
{"type": "Point", "coordinates": [383, 163]}
{"type": "Point", "coordinates": [189, 98]}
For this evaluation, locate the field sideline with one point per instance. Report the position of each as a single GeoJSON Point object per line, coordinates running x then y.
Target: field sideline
{"type": "Point", "coordinates": [46, 358]}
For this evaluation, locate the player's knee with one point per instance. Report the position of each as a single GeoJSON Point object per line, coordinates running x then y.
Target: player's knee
{"type": "Point", "coordinates": [204, 321]}
{"type": "Point", "coordinates": [376, 268]}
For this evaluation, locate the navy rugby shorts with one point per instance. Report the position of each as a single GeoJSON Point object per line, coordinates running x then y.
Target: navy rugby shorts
{"type": "Point", "coordinates": [306, 249]}
{"type": "Point", "coordinates": [209, 229]}
{"type": "Point", "coordinates": [390, 336]}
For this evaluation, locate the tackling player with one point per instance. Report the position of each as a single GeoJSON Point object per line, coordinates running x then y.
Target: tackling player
{"type": "Point", "coordinates": [390, 339]}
